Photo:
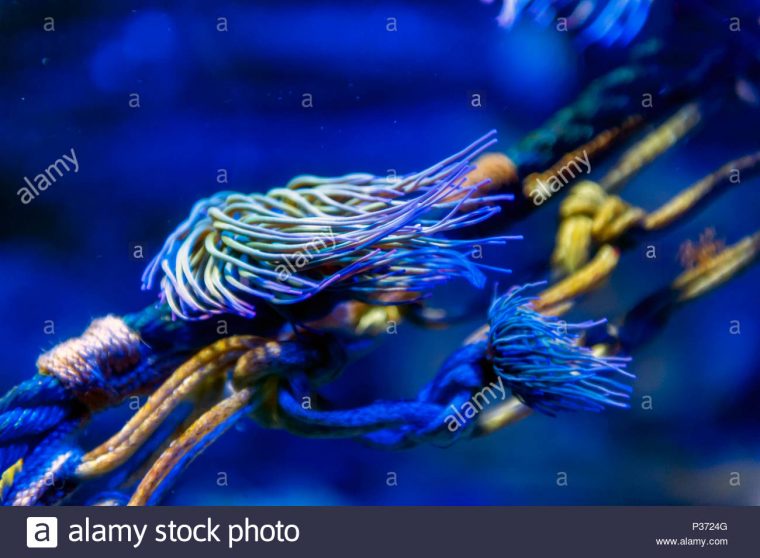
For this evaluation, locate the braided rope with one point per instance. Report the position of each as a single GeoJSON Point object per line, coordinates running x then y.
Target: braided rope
{"type": "Point", "coordinates": [46, 474]}
{"type": "Point", "coordinates": [29, 412]}
{"type": "Point", "coordinates": [609, 108]}
{"type": "Point", "coordinates": [76, 378]}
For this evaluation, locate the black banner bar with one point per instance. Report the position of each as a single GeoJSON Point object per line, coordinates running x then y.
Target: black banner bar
{"type": "Point", "coordinates": [380, 532]}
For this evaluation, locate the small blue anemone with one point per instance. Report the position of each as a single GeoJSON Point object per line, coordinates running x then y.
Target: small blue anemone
{"type": "Point", "coordinates": [541, 361]}
{"type": "Point", "coordinates": [599, 21]}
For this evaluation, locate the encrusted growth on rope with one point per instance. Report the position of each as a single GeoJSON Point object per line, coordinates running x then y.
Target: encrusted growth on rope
{"type": "Point", "coordinates": [91, 365]}
{"type": "Point", "coordinates": [540, 360]}
{"type": "Point", "coordinates": [373, 238]}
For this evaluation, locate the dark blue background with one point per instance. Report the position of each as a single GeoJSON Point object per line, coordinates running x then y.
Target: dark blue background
{"type": "Point", "coordinates": [382, 100]}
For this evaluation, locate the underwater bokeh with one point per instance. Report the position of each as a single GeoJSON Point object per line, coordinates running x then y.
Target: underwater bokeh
{"type": "Point", "coordinates": [382, 101]}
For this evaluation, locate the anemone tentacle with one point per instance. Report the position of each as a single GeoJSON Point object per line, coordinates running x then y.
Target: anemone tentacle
{"type": "Point", "coordinates": [366, 236]}
{"type": "Point", "coordinates": [541, 361]}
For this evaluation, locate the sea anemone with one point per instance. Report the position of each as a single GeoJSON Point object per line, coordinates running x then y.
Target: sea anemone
{"type": "Point", "coordinates": [541, 361]}
{"type": "Point", "coordinates": [606, 22]}
{"type": "Point", "coordinates": [372, 238]}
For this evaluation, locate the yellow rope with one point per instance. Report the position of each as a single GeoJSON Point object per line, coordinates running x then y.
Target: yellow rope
{"type": "Point", "coordinates": [590, 216]}
{"type": "Point", "coordinates": [198, 433]}
{"type": "Point", "coordinates": [652, 146]}
{"type": "Point", "coordinates": [209, 361]}
{"type": "Point", "coordinates": [718, 268]}
{"type": "Point", "coordinates": [599, 144]}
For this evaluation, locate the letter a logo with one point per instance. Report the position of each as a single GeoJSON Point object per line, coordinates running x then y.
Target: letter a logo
{"type": "Point", "coordinates": [42, 532]}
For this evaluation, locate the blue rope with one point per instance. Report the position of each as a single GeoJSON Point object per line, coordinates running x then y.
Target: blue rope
{"type": "Point", "coordinates": [393, 424]}
{"type": "Point", "coordinates": [40, 389]}
{"type": "Point", "coordinates": [29, 412]}
{"type": "Point", "coordinates": [26, 422]}
{"type": "Point", "coordinates": [40, 482]}
{"type": "Point", "coordinates": [537, 358]}
{"type": "Point", "coordinates": [33, 413]}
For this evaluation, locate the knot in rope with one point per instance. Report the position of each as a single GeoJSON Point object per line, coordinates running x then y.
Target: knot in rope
{"type": "Point", "coordinates": [90, 366]}
{"type": "Point", "coordinates": [590, 216]}
{"type": "Point", "coordinates": [316, 358]}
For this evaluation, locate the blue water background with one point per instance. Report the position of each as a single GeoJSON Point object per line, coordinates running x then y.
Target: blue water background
{"type": "Point", "coordinates": [383, 100]}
